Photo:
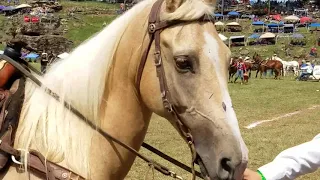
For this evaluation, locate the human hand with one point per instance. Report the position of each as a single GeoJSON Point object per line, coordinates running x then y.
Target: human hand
{"type": "Point", "coordinates": [251, 175]}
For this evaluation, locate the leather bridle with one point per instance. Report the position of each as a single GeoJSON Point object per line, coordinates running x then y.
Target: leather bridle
{"type": "Point", "coordinates": [155, 26]}
{"type": "Point", "coordinates": [53, 171]}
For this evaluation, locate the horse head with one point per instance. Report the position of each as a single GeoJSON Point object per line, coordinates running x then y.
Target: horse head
{"type": "Point", "coordinates": [196, 65]}
{"type": "Point", "coordinates": [183, 79]}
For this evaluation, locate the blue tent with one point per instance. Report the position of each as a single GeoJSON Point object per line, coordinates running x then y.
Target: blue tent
{"type": "Point", "coordinates": [254, 36]}
{"type": "Point", "coordinates": [233, 13]}
{"type": "Point", "coordinates": [31, 56]}
{"type": "Point", "coordinates": [314, 25]}
{"type": "Point", "coordinates": [218, 15]}
{"type": "Point", "coordinates": [258, 23]}
{"type": "Point", "coordinates": [8, 8]}
{"type": "Point", "coordinates": [275, 25]}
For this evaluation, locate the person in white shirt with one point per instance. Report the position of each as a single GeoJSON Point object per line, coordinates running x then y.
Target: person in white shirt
{"type": "Point", "coordinates": [290, 163]}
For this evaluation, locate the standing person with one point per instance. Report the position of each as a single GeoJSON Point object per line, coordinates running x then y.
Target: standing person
{"type": "Point", "coordinates": [241, 68]}
{"type": "Point", "coordinates": [44, 62]}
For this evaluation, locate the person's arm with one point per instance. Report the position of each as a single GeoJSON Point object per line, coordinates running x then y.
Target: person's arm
{"type": "Point", "coordinates": [294, 162]}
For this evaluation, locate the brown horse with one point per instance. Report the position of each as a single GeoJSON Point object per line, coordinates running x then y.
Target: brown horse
{"type": "Point", "coordinates": [263, 65]}
{"type": "Point", "coordinates": [233, 69]}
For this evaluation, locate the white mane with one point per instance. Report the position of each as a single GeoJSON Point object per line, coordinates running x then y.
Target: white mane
{"type": "Point", "coordinates": [47, 125]}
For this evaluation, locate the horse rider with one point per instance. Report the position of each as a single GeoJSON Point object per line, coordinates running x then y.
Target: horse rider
{"type": "Point", "coordinates": [9, 73]}
{"type": "Point", "coordinates": [241, 68]}
{"type": "Point", "coordinates": [274, 57]}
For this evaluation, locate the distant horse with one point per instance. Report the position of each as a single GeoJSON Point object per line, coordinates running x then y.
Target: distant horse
{"type": "Point", "coordinates": [287, 65]}
{"type": "Point", "coordinates": [115, 85]}
{"type": "Point", "coordinates": [233, 69]}
{"type": "Point", "coordinates": [295, 67]}
{"type": "Point", "coordinates": [264, 65]}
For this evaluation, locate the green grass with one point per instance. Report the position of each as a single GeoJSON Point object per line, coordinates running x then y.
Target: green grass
{"type": "Point", "coordinates": [86, 27]}
{"type": "Point", "coordinates": [88, 4]}
{"type": "Point", "coordinates": [259, 100]}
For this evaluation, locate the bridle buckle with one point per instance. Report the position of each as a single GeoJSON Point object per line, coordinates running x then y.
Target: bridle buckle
{"type": "Point", "coordinates": [157, 59]}
{"type": "Point", "coordinates": [167, 105]}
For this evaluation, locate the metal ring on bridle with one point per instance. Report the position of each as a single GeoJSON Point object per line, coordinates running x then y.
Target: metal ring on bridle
{"type": "Point", "coordinates": [152, 28]}
{"type": "Point", "coordinates": [14, 158]}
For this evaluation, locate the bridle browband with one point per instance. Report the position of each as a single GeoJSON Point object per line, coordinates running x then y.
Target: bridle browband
{"type": "Point", "coordinates": [155, 26]}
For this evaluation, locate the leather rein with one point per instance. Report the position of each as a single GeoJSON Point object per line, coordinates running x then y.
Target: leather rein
{"type": "Point", "coordinates": [53, 171]}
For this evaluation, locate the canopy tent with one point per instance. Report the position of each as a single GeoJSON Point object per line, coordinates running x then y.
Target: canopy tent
{"type": "Point", "coordinates": [2, 7]}
{"type": "Point", "coordinates": [288, 28]}
{"type": "Point", "coordinates": [63, 55]}
{"type": "Point", "coordinates": [273, 26]}
{"type": "Point", "coordinates": [222, 37]}
{"type": "Point", "coordinates": [276, 17]}
{"type": "Point", "coordinates": [267, 35]}
{"type": "Point", "coordinates": [297, 36]}
{"type": "Point", "coordinates": [31, 56]}
{"type": "Point", "coordinates": [314, 25]}
{"type": "Point", "coordinates": [280, 24]}
{"type": "Point", "coordinates": [292, 18]}
{"type": "Point", "coordinates": [219, 23]}
{"type": "Point", "coordinates": [305, 19]}
{"type": "Point", "coordinates": [283, 36]}
{"type": "Point", "coordinates": [218, 15]}
{"type": "Point", "coordinates": [8, 8]}
{"type": "Point", "coordinates": [233, 24]}
{"type": "Point", "coordinates": [1, 52]}
{"type": "Point", "coordinates": [254, 36]}
{"type": "Point", "coordinates": [237, 39]}
{"type": "Point", "coordinates": [233, 13]}
{"type": "Point", "coordinates": [23, 6]}
{"type": "Point", "coordinates": [258, 23]}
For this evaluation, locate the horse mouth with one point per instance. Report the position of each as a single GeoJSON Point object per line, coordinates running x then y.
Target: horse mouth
{"type": "Point", "coordinates": [203, 169]}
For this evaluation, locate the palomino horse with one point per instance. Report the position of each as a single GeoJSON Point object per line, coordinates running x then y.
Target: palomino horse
{"type": "Point", "coordinates": [99, 79]}
{"type": "Point", "coordinates": [264, 65]}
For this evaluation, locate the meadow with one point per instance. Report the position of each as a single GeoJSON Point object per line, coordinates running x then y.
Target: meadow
{"type": "Point", "coordinates": [261, 99]}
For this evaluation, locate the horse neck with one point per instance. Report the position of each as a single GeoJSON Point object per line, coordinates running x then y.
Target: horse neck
{"type": "Point", "coordinates": [125, 115]}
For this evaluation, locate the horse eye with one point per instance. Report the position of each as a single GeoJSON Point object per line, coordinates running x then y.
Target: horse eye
{"type": "Point", "coordinates": [183, 64]}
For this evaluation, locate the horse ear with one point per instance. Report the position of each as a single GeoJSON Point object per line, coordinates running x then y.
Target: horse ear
{"type": "Point", "coordinates": [172, 5]}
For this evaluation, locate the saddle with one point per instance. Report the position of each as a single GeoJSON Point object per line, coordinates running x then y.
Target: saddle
{"type": "Point", "coordinates": [11, 101]}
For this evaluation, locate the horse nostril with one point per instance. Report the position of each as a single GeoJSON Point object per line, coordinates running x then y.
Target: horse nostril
{"type": "Point", "coordinates": [226, 169]}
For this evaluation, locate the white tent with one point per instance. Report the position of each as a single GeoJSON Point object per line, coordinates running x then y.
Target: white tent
{"type": "Point", "coordinates": [267, 35]}
{"type": "Point", "coordinates": [292, 18]}
{"type": "Point", "coordinates": [219, 23]}
{"type": "Point", "coordinates": [233, 24]}
{"type": "Point", "coordinates": [23, 6]}
{"type": "Point", "coordinates": [63, 55]}
{"type": "Point", "coordinates": [222, 37]}
{"type": "Point", "coordinates": [1, 52]}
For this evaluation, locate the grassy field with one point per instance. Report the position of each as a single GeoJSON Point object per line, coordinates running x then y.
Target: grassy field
{"type": "Point", "coordinates": [261, 99]}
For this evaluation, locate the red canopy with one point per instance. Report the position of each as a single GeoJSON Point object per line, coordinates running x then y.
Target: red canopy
{"type": "Point", "coordinates": [276, 17]}
{"type": "Point", "coordinates": [305, 19]}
